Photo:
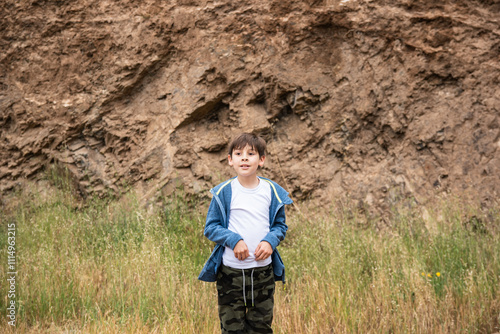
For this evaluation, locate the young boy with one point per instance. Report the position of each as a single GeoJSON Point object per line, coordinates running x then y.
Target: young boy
{"type": "Point", "coordinates": [246, 219]}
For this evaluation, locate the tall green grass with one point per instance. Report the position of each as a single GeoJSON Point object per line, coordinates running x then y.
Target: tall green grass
{"type": "Point", "coordinates": [121, 266]}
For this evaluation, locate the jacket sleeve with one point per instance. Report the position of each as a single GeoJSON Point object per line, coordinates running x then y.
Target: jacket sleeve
{"type": "Point", "coordinates": [278, 229]}
{"type": "Point", "coordinates": [215, 230]}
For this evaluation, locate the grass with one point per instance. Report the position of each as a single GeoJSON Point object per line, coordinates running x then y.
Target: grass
{"type": "Point", "coordinates": [116, 266]}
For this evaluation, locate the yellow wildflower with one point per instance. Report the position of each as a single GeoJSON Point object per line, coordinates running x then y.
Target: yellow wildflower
{"type": "Point", "coordinates": [438, 274]}
{"type": "Point", "coordinates": [429, 275]}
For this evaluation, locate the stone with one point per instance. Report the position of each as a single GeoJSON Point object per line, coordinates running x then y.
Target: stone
{"type": "Point", "coordinates": [351, 96]}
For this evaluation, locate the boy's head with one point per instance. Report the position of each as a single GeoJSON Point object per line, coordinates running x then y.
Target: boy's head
{"type": "Point", "coordinates": [247, 153]}
{"type": "Point", "coordinates": [255, 142]}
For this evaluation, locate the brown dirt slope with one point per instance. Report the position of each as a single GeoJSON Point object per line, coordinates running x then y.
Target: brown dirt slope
{"type": "Point", "coordinates": [375, 99]}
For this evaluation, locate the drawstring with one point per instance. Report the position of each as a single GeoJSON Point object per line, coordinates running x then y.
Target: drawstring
{"type": "Point", "coordinates": [244, 294]}
{"type": "Point", "coordinates": [251, 276]}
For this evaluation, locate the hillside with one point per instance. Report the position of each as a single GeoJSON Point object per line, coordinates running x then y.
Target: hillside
{"type": "Point", "coordinates": [375, 99]}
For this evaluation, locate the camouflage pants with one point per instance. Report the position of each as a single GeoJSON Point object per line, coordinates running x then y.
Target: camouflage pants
{"type": "Point", "coordinates": [236, 296]}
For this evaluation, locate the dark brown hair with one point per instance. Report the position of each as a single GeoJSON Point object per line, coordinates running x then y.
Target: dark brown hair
{"type": "Point", "coordinates": [244, 139]}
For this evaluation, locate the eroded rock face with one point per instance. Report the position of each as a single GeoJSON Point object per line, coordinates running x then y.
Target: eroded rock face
{"type": "Point", "coordinates": [375, 99]}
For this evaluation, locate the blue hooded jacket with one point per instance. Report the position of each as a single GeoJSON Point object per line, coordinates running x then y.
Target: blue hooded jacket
{"type": "Point", "coordinates": [216, 228]}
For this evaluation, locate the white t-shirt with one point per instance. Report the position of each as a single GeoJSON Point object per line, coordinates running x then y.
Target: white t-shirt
{"type": "Point", "coordinates": [249, 217]}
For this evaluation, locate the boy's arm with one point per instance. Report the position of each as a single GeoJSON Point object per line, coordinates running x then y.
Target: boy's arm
{"type": "Point", "coordinates": [278, 229]}
{"type": "Point", "coordinates": [214, 229]}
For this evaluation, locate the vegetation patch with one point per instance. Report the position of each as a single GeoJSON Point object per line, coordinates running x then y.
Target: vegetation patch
{"type": "Point", "coordinates": [115, 265]}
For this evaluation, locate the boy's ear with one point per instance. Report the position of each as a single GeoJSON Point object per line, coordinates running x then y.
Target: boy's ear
{"type": "Point", "coordinates": [230, 160]}
{"type": "Point", "coordinates": [261, 160]}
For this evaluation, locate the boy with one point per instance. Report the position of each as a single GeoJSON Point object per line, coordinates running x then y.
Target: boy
{"type": "Point", "coordinates": [246, 219]}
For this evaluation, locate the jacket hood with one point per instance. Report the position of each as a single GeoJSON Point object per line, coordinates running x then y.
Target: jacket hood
{"type": "Point", "coordinates": [280, 193]}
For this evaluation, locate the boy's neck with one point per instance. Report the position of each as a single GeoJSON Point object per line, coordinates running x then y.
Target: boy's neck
{"type": "Point", "coordinates": [249, 182]}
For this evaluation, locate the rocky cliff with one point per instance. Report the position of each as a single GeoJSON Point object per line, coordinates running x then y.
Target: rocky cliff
{"type": "Point", "coordinates": [375, 99]}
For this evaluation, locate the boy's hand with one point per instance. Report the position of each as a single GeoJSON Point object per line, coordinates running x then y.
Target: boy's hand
{"type": "Point", "coordinates": [241, 250]}
{"type": "Point", "coordinates": [263, 251]}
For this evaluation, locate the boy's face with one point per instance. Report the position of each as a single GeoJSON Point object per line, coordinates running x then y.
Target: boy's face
{"type": "Point", "coordinates": [246, 161]}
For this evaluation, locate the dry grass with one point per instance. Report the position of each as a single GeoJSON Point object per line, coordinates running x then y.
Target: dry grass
{"type": "Point", "coordinates": [115, 267]}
